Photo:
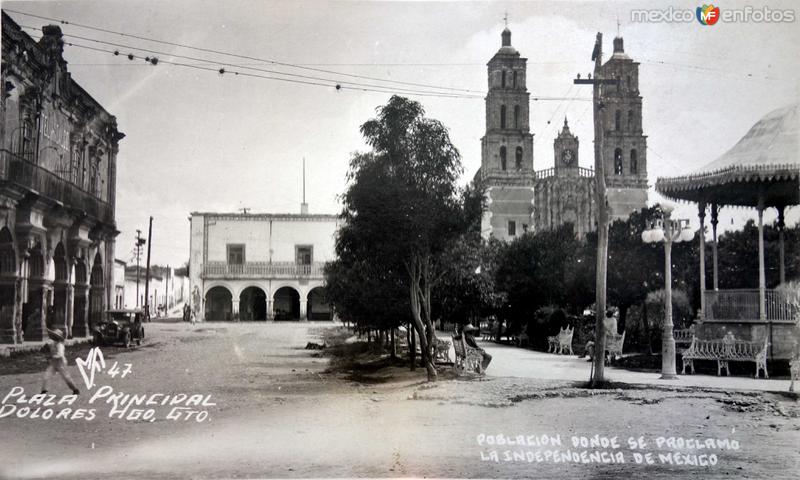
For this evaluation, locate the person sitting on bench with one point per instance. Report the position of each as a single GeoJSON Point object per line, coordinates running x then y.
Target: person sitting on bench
{"type": "Point", "coordinates": [467, 331]}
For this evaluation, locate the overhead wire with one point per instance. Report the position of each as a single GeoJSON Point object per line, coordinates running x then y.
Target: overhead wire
{"type": "Point", "coordinates": [236, 55]}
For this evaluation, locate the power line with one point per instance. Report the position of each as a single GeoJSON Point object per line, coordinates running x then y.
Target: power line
{"type": "Point", "coordinates": [307, 80]}
{"type": "Point", "coordinates": [328, 83]}
{"type": "Point", "coordinates": [235, 55]}
{"type": "Point", "coordinates": [333, 82]}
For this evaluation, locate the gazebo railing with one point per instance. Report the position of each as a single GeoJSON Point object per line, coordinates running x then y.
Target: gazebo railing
{"type": "Point", "coordinates": [743, 304]}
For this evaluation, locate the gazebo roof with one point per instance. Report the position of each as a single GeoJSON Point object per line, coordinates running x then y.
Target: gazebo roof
{"type": "Point", "coordinates": [766, 161]}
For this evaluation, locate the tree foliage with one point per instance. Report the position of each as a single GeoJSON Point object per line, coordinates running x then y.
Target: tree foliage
{"type": "Point", "coordinates": [403, 208]}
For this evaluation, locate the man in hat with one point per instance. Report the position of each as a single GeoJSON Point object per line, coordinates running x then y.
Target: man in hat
{"type": "Point", "coordinates": [467, 331]}
{"type": "Point", "coordinates": [57, 361]}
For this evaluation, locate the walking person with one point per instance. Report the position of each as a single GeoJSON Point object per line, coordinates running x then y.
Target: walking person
{"type": "Point", "coordinates": [57, 361]}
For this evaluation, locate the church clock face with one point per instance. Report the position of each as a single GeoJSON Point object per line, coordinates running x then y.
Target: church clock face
{"type": "Point", "coordinates": [567, 157]}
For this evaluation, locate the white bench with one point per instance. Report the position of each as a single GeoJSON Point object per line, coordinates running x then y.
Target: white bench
{"type": "Point", "coordinates": [614, 344]}
{"type": "Point", "coordinates": [725, 350]}
{"type": "Point", "coordinates": [683, 338]}
{"type": "Point", "coordinates": [561, 342]}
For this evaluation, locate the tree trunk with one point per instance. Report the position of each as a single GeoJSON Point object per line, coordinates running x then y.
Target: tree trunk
{"type": "Point", "coordinates": [415, 272]}
{"type": "Point", "coordinates": [393, 348]}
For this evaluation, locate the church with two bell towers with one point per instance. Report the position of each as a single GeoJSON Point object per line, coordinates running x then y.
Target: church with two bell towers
{"type": "Point", "coordinates": [521, 199]}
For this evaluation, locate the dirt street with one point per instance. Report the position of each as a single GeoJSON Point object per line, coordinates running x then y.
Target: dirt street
{"type": "Point", "coordinates": [278, 412]}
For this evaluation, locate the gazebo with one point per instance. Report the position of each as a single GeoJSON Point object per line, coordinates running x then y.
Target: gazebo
{"type": "Point", "coordinates": [761, 171]}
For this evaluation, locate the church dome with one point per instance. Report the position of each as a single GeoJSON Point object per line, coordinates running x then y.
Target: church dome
{"type": "Point", "coordinates": [619, 50]}
{"type": "Point", "coordinates": [506, 47]}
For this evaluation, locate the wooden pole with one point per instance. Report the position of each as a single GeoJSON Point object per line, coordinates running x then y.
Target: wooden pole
{"type": "Point", "coordinates": [601, 202]}
{"type": "Point", "coordinates": [147, 272]}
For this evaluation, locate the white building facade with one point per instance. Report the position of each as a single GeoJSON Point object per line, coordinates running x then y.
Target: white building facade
{"type": "Point", "coordinates": [266, 267]}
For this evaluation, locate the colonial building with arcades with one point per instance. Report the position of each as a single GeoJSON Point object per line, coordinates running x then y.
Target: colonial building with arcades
{"type": "Point", "coordinates": [260, 266]}
{"type": "Point", "coordinates": [57, 193]}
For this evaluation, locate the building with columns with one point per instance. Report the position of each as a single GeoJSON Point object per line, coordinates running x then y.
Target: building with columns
{"type": "Point", "coordinates": [58, 153]}
{"type": "Point", "coordinates": [506, 170]}
{"type": "Point", "coordinates": [249, 266]}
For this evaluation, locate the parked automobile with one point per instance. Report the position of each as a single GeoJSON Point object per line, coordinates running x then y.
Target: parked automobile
{"type": "Point", "coordinates": [120, 327]}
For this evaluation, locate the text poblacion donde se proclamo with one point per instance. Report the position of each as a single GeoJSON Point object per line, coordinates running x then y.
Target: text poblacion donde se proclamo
{"type": "Point", "coordinates": [604, 449]}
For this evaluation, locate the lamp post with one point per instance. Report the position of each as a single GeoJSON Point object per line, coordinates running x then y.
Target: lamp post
{"type": "Point", "coordinates": [668, 231]}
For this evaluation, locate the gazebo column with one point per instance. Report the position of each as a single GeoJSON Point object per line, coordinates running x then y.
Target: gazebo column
{"type": "Point", "coordinates": [701, 207]}
{"type": "Point", "coordinates": [762, 279]}
{"type": "Point", "coordinates": [781, 225]}
{"type": "Point", "coordinates": [714, 222]}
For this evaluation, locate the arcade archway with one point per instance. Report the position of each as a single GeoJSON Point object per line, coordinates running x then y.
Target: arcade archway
{"type": "Point", "coordinates": [318, 307]}
{"type": "Point", "coordinates": [286, 304]}
{"type": "Point", "coordinates": [219, 304]}
{"type": "Point", "coordinates": [252, 304]}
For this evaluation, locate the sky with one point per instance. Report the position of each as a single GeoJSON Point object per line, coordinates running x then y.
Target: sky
{"type": "Point", "coordinates": [198, 140]}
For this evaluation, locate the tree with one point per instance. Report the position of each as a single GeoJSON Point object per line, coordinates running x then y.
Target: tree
{"type": "Point", "coordinates": [402, 206]}
{"type": "Point", "coordinates": [467, 283]}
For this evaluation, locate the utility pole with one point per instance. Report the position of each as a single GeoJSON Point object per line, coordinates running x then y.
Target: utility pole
{"type": "Point", "coordinates": [147, 273]}
{"type": "Point", "coordinates": [601, 202]}
{"type": "Point", "coordinates": [137, 248]}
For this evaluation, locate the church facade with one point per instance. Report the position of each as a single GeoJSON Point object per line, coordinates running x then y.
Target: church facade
{"type": "Point", "coordinates": [518, 198]}
{"type": "Point", "coordinates": [565, 193]}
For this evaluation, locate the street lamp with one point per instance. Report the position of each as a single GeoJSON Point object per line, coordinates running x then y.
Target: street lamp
{"type": "Point", "coordinates": [668, 231]}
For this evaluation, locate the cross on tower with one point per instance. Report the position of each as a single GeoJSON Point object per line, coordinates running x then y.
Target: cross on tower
{"type": "Point", "coordinates": [505, 18]}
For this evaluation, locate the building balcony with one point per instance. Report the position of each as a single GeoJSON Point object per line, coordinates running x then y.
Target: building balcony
{"type": "Point", "coordinates": [22, 173]}
{"type": "Point", "coordinates": [218, 270]}
{"type": "Point", "coordinates": [742, 305]}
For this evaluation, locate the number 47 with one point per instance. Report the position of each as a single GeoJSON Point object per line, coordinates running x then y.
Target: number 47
{"type": "Point", "coordinates": [114, 370]}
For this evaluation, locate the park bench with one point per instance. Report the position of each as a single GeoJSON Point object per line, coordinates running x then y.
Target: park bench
{"type": "Point", "coordinates": [683, 338]}
{"type": "Point", "coordinates": [614, 343]}
{"type": "Point", "coordinates": [468, 359]}
{"type": "Point", "coordinates": [725, 350]}
{"type": "Point", "coordinates": [490, 333]}
{"type": "Point", "coordinates": [561, 342]}
{"type": "Point", "coordinates": [521, 338]}
{"type": "Point", "coordinates": [441, 351]}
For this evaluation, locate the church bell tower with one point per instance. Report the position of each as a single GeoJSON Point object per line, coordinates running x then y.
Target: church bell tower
{"type": "Point", "coordinates": [507, 146]}
{"type": "Point", "coordinates": [625, 145]}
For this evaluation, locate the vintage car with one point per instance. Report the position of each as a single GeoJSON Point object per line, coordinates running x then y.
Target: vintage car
{"type": "Point", "coordinates": [119, 327]}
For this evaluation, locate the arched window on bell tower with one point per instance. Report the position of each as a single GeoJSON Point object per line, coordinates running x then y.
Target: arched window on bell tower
{"type": "Point", "coordinates": [503, 158]}
{"type": "Point", "coordinates": [518, 160]}
{"type": "Point", "coordinates": [634, 162]}
{"type": "Point", "coordinates": [617, 161]}
{"type": "Point", "coordinates": [630, 120]}
{"type": "Point", "coordinates": [503, 115]}
{"type": "Point", "coordinates": [516, 116]}
{"type": "Point", "coordinates": [515, 79]}
{"type": "Point", "coordinates": [617, 120]}
{"type": "Point", "coordinates": [503, 79]}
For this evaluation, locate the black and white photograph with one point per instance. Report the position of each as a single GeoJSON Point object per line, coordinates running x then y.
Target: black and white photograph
{"type": "Point", "coordinates": [262, 239]}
